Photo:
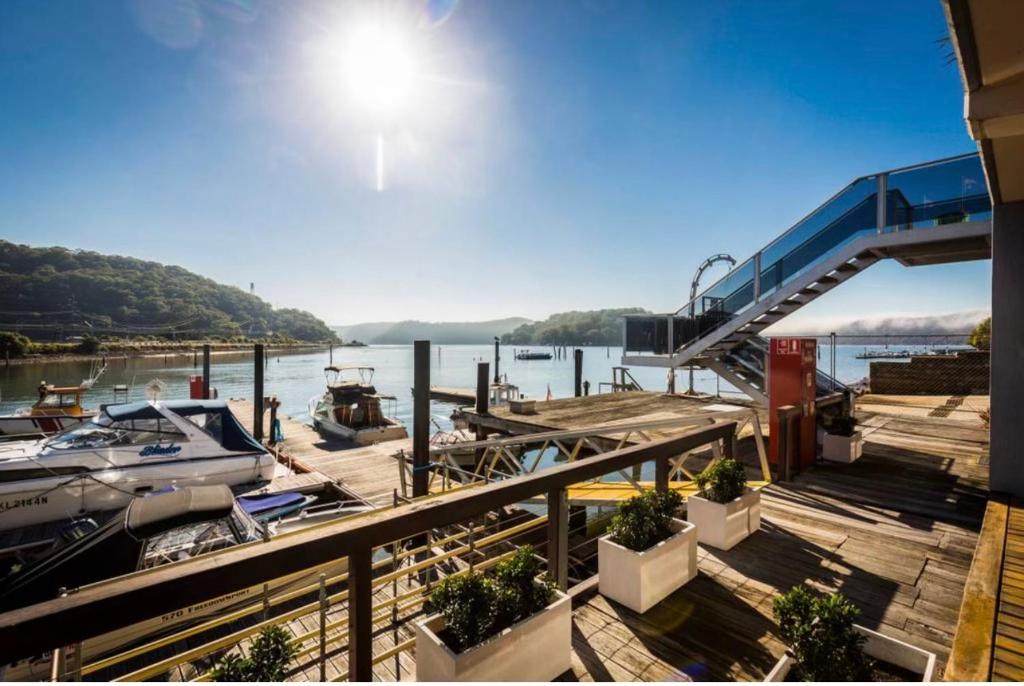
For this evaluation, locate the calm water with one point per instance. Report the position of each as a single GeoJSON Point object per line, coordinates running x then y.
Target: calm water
{"type": "Point", "coordinates": [295, 378]}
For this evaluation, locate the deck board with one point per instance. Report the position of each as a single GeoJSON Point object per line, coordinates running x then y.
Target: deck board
{"type": "Point", "coordinates": [895, 532]}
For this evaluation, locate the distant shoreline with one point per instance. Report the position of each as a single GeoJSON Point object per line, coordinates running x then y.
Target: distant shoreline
{"type": "Point", "coordinates": [181, 351]}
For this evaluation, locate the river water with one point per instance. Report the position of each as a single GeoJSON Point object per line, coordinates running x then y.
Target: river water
{"type": "Point", "coordinates": [297, 377]}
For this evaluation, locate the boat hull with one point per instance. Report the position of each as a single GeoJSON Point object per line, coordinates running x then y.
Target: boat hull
{"type": "Point", "coordinates": [393, 431]}
{"type": "Point", "coordinates": [28, 426]}
{"type": "Point", "coordinates": [52, 498]}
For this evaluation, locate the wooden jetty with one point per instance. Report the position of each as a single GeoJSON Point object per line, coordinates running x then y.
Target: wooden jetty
{"type": "Point", "coordinates": [449, 394]}
{"type": "Point", "coordinates": [367, 473]}
{"type": "Point", "coordinates": [606, 408]}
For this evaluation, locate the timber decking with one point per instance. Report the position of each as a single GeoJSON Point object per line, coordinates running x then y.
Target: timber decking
{"type": "Point", "coordinates": [566, 414]}
{"type": "Point", "coordinates": [370, 473]}
{"type": "Point", "coordinates": [894, 531]}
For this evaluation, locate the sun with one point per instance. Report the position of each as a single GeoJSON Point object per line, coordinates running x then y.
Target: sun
{"type": "Point", "coordinates": [380, 69]}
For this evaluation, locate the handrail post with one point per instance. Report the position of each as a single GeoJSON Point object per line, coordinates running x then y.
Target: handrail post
{"type": "Point", "coordinates": [661, 470]}
{"type": "Point", "coordinates": [757, 276]}
{"type": "Point", "coordinates": [558, 537]}
{"type": "Point", "coordinates": [360, 615]}
{"type": "Point", "coordinates": [324, 604]}
{"type": "Point", "coordinates": [883, 192]}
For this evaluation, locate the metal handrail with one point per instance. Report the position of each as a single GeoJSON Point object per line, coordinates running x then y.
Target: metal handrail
{"type": "Point", "coordinates": [810, 214]}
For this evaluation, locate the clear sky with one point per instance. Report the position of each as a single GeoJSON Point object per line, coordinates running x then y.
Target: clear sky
{"type": "Point", "coordinates": [546, 155]}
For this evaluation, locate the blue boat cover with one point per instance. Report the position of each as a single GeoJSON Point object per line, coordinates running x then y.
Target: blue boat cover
{"type": "Point", "coordinates": [256, 504]}
{"type": "Point", "coordinates": [230, 433]}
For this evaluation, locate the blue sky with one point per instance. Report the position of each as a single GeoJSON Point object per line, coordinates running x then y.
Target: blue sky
{"type": "Point", "coordinates": [552, 155]}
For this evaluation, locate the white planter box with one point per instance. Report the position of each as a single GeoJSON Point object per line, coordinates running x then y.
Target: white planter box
{"type": "Point", "coordinates": [723, 525]}
{"type": "Point", "coordinates": [641, 580]}
{"type": "Point", "coordinates": [845, 449]}
{"type": "Point", "coordinates": [539, 648]}
{"type": "Point", "coordinates": [880, 647]}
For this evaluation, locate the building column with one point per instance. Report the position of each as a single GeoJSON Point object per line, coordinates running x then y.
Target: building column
{"type": "Point", "coordinates": [1006, 465]}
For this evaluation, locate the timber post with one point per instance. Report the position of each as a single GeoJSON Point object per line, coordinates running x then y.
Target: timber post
{"type": "Point", "coordinates": [558, 537]}
{"type": "Point", "coordinates": [360, 615]}
{"type": "Point", "coordinates": [420, 418]}
{"type": "Point", "coordinates": [206, 371]}
{"type": "Point", "coordinates": [497, 360]}
{"type": "Point", "coordinates": [257, 392]}
{"type": "Point", "coordinates": [578, 360]}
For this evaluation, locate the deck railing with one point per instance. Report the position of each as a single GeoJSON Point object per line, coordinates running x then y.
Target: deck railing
{"type": "Point", "coordinates": [112, 605]}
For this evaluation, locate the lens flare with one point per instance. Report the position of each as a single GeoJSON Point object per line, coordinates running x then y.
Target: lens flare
{"type": "Point", "coordinates": [380, 68]}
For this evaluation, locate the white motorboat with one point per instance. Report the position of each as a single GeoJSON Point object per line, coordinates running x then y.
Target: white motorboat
{"type": "Point", "coordinates": [157, 530]}
{"type": "Point", "coordinates": [125, 451]}
{"type": "Point", "coordinates": [351, 409]}
{"type": "Point", "coordinates": [58, 408]}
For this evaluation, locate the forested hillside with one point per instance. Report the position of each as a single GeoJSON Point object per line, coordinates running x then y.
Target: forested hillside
{"type": "Point", "coordinates": [595, 327]}
{"type": "Point", "coordinates": [406, 332]}
{"type": "Point", "coordinates": [44, 291]}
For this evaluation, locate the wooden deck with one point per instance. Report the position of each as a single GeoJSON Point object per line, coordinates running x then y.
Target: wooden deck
{"type": "Point", "coordinates": [369, 473]}
{"type": "Point", "coordinates": [895, 532]}
{"type": "Point", "coordinates": [458, 396]}
{"type": "Point", "coordinates": [566, 414]}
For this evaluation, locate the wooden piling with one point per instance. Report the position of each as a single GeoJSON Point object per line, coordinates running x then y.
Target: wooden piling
{"type": "Point", "coordinates": [257, 392]}
{"type": "Point", "coordinates": [206, 372]}
{"type": "Point", "coordinates": [497, 360]}
{"type": "Point", "coordinates": [482, 399]}
{"type": "Point", "coordinates": [578, 355]}
{"type": "Point", "coordinates": [420, 418]}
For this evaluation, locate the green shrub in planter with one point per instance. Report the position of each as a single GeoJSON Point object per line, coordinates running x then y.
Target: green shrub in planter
{"type": "Point", "coordinates": [476, 607]}
{"type": "Point", "coordinates": [269, 655]}
{"type": "Point", "coordinates": [723, 481]}
{"type": "Point", "coordinates": [842, 425]}
{"type": "Point", "coordinates": [643, 520]}
{"type": "Point", "coordinates": [821, 637]}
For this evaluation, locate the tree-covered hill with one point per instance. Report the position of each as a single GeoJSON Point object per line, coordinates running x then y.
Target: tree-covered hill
{"type": "Point", "coordinates": [446, 333]}
{"type": "Point", "coordinates": [46, 291]}
{"type": "Point", "coordinates": [595, 327]}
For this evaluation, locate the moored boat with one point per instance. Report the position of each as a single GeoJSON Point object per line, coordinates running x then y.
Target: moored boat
{"type": "Point", "coordinates": [125, 451]}
{"type": "Point", "coordinates": [58, 408]}
{"type": "Point", "coordinates": [352, 410]}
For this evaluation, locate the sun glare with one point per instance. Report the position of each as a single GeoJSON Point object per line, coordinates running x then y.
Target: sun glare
{"type": "Point", "coordinates": [380, 68]}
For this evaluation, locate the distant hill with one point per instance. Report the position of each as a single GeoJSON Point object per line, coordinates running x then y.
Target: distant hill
{"type": "Point", "coordinates": [594, 327]}
{"type": "Point", "coordinates": [450, 333]}
{"type": "Point", "coordinates": [48, 291]}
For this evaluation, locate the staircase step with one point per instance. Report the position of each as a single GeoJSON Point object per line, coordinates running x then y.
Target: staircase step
{"type": "Point", "coordinates": [809, 291]}
{"type": "Point", "coordinates": [828, 281]}
{"type": "Point", "coordinates": [847, 268]}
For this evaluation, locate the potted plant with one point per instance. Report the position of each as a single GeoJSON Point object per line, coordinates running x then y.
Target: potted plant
{"type": "Point", "coordinates": [842, 442]}
{"type": "Point", "coordinates": [647, 553]}
{"type": "Point", "coordinates": [825, 644]}
{"type": "Point", "coordinates": [724, 510]}
{"type": "Point", "coordinates": [269, 655]}
{"type": "Point", "coordinates": [512, 626]}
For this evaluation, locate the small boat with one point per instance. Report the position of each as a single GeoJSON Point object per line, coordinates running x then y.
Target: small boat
{"type": "Point", "coordinates": [125, 451]}
{"type": "Point", "coordinates": [58, 408]}
{"type": "Point", "coordinates": [153, 531]}
{"type": "Point", "coordinates": [526, 355]}
{"type": "Point", "coordinates": [351, 409]}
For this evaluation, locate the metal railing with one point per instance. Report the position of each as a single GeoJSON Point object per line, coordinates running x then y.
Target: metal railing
{"type": "Point", "coordinates": [126, 601]}
{"type": "Point", "coordinates": [936, 193]}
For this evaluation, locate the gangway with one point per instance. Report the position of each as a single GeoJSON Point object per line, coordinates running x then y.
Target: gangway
{"type": "Point", "coordinates": [512, 456]}
{"type": "Point", "coordinates": [932, 213]}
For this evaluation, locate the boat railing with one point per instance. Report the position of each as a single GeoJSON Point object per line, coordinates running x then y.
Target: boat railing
{"type": "Point", "coordinates": [412, 558]}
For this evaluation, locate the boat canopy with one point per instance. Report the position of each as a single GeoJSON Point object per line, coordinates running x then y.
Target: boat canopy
{"type": "Point", "coordinates": [220, 422]}
{"type": "Point", "coordinates": [156, 514]}
{"type": "Point", "coordinates": [347, 368]}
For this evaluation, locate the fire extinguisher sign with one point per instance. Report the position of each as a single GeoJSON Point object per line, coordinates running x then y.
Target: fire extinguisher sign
{"type": "Point", "coordinates": [786, 346]}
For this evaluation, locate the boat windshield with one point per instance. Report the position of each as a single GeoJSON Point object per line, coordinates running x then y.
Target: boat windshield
{"type": "Point", "coordinates": [59, 400]}
{"type": "Point", "coordinates": [190, 540]}
{"type": "Point", "coordinates": [103, 432]}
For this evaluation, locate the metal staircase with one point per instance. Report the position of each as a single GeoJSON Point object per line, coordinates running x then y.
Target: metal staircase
{"type": "Point", "coordinates": [926, 214]}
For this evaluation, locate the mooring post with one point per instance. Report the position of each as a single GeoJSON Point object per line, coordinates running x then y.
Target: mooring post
{"type": "Point", "coordinates": [274, 404]}
{"type": "Point", "coordinates": [257, 392]}
{"type": "Point", "coordinates": [482, 387]}
{"type": "Point", "coordinates": [497, 360]}
{"type": "Point", "coordinates": [360, 615]}
{"type": "Point", "coordinates": [330, 354]}
{"type": "Point", "coordinates": [558, 537]}
{"type": "Point", "coordinates": [420, 418]}
{"type": "Point", "coordinates": [206, 371]}
{"type": "Point", "coordinates": [578, 355]}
